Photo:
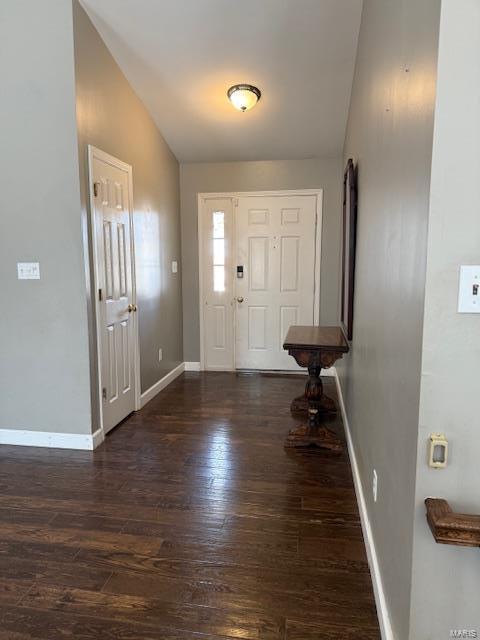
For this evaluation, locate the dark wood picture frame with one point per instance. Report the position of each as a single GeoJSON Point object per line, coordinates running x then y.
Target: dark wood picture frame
{"type": "Point", "coordinates": [349, 233]}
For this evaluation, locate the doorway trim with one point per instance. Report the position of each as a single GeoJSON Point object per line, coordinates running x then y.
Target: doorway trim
{"type": "Point", "coordinates": [201, 199]}
{"type": "Point", "coordinates": [94, 152]}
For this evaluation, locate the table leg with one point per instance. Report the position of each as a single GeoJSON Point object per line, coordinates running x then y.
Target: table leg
{"type": "Point", "coordinates": [314, 433]}
{"type": "Point", "coordinates": [300, 405]}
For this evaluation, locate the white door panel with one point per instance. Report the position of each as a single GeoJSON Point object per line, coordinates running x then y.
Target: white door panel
{"type": "Point", "coordinates": [117, 330]}
{"type": "Point", "coordinates": [257, 271]}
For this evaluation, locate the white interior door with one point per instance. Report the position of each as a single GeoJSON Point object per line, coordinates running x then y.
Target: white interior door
{"type": "Point", "coordinates": [276, 246]}
{"type": "Point", "coordinates": [116, 309]}
{"type": "Point", "coordinates": [216, 231]}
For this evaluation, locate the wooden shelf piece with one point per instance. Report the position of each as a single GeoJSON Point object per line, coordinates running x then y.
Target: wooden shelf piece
{"type": "Point", "coordinates": [452, 528]}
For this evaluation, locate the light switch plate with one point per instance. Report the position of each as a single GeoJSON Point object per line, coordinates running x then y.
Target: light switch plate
{"type": "Point", "coordinates": [28, 270]}
{"type": "Point", "coordinates": [174, 266]}
{"type": "Point", "coordinates": [469, 290]}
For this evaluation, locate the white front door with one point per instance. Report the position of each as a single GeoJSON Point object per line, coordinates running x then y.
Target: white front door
{"type": "Point", "coordinates": [260, 259]}
{"type": "Point", "coordinates": [275, 246]}
{"type": "Point", "coordinates": [116, 309]}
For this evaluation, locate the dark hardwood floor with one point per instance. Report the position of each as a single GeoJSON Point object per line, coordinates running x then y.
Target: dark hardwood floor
{"type": "Point", "coordinates": [191, 521]}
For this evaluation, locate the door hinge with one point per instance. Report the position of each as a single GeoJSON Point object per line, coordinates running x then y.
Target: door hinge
{"type": "Point", "coordinates": [100, 295]}
{"type": "Point", "coordinates": [95, 188]}
{"type": "Point", "coordinates": [235, 202]}
{"type": "Point", "coordinates": [104, 393]}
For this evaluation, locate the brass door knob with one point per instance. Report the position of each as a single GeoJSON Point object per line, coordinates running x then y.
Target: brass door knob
{"type": "Point", "coordinates": [239, 299]}
{"type": "Point", "coordinates": [130, 308]}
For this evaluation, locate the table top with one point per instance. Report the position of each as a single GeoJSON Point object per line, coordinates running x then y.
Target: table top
{"type": "Point", "coordinates": [316, 339]}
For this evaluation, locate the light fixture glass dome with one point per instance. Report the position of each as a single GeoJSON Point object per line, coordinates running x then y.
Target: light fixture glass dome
{"type": "Point", "coordinates": [243, 96]}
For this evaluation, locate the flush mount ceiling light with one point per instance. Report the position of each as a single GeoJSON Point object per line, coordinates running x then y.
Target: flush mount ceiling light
{"type": "Point", "coordinates": [243, 96]}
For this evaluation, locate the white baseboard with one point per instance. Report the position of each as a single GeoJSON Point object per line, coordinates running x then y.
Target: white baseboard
{"type": "Point", "coordinates": [161, 384]}
{"type": "Point", "coordinates": [50, 439]}
{"type": "Point", "coordinates": [301, 371]}
{"type": "Point", "coordinates": [380, 600]}
{"type": "Point", "coordinates": [97, 438]}
{"type": "Point", "coordinates": [329, 373]}
{"type": "Point", "coordinates": [192, 366]}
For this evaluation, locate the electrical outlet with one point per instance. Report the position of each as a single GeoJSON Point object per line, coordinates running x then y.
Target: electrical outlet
{"type": "Point", "coordinates": [375, 485]}
{"type": "Point", "coordinates": [28, 270]}
{"type": "Point", "coordinates": [160, 355]}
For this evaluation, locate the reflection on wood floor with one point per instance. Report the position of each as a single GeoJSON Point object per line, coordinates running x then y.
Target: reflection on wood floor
{"type": "Point", "coordinates": [191, 521]}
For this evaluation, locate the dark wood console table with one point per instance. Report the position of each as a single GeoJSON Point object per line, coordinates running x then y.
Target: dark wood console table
{"type": "Point", "coordinates": [315, 348]}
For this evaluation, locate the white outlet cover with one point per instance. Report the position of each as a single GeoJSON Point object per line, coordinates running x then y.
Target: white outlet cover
{"type": "Point", "coordinates": [160, 354]}
{"type": "Point", "coordinates": [174, 266]}
{"type": "Point", "coordinates": [469, 289]}
{"type": "Point", "coordinates": [28, 270]}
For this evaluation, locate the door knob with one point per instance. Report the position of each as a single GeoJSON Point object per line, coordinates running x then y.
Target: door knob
{"type": "Point", "coordinates": [239, 299]}
{"type": "Point", "coordinates": [130, 308]}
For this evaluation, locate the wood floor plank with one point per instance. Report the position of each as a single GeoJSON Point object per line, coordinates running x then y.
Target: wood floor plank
{"type": "Point", "coordinates": [13, 590]}
{"type": "Point", "coordinates": [225, 540]}
{"type": "Point", "coordinates": [53, 572]}
{"type": "Point", "coordinates": [22, 623]}
{"type": "Point", "coordinates": [86, 522]}
{"type": "Point", "coordinates": [247, 624]}
{"type": "Point", "coordinates": [287, 579]}
{"type": "Point", "coordinates": [25, 516]}
{"type": "Point", "coordinates": [102, 508]}
{"type": "Point", "coordinates": [330, 561]}
{"type": "Point", "coordinates": [78, 539]}
{"type": "Point", "coordinates": [329, 631]}
{"type": "Point", "coordinates": [247, 593]}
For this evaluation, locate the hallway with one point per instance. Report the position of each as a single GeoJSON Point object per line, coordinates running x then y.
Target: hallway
{"type": "Point", "coordinates": [190, 521]}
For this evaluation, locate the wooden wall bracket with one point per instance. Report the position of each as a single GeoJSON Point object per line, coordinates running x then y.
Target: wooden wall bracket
{"type": "Point", "coordinates": [452, 528]}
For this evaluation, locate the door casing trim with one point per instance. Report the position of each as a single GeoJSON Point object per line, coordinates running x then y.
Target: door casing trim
{"type": "Point", "coordinates": [94, 152]}
{"type": "Point", "coordinates": [202, 198]}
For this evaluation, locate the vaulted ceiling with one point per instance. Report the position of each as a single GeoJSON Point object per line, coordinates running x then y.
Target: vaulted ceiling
{"type": "Point", "coordinates": [181, 56]}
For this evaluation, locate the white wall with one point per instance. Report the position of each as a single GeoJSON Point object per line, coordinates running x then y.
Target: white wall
{"type": "Point", "coordinates": [44, 363]}
{"type": "Point", "coordinates": [446, 579]}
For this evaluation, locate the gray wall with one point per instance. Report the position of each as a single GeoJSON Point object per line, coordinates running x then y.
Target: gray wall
{"type": "Point", "coordinates": [44, 364]}
{"type": "Point", "coordinates": [259, 176]}
{"type": "Point", "coordinates": [446, 579]}
{"type": "Point", "coordinates": [389, 134]}
{"type": "Point", "coordinates": [111, 117]}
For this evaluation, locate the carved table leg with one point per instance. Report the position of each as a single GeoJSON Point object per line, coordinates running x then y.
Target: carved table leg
{"type": "Point", "coordinates": [313, 433]}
